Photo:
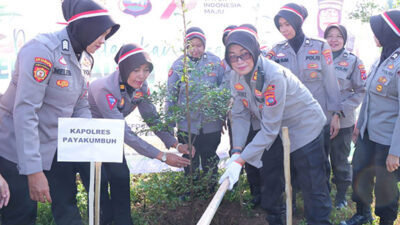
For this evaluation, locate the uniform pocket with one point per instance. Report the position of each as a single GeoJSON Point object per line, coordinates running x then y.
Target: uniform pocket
{"type": "Point", "coordinates": [312, 72]}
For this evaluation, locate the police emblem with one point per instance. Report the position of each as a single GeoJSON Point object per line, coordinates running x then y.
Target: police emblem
{"type": "Point", "coordinates": [41, 69]}
{"type": "Point", "coordinates": [379, 87]}
{"type": "Point", "coordinates": [62, 83]}
{"type": "Point", "coordinates": [313, 75]}
{"type": "Point", "coordinates": [138, 95]}
{"type": "Point", "coordinates": [255, 75]}
{"type": "Point", "coordinates": [382, 80]}
{"type": "Point", "coordinates": [245, 103]}
{"type": "Point", "coordinates": [111, 101]}
{"type": "Point", "coordinates": [312, 66]}
{"type": "Point", "coordinates": [344, 64]}
{"type": "Point", "coordinates": [269, 95]}
{"type": "Point", "coordinates": [135, 7]}
{"type": "Point", "coordinates": [328, 56]}
{"type": "Point", "coordinates": [239, 87]}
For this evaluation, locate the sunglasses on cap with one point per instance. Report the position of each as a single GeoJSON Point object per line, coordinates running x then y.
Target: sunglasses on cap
{"type": "Point", "coordinates": [243, 57]}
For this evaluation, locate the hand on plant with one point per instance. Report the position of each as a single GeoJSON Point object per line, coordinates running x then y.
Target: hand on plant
{"type": "Point", "coordinates": [392, 163]}
{"type": "Point", "coordinates": [39, 188]}
{"type": "Point", "coordinates": [232, 159]}
{"type": "Point", "coordinates": [4, 192]}
{"type": "Point", "coordinates": [177, 161]}
{"type": "Point", "coordinates": [184, 149]}
{"type": "Point", "coordinates": [232, 173]}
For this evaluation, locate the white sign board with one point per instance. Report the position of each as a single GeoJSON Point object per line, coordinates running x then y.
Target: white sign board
{"type": "Point", "coordinates": [90, 140]}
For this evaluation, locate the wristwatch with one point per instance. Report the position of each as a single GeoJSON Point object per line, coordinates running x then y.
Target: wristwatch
{"type": "Point", "coordinates": [164, 157]}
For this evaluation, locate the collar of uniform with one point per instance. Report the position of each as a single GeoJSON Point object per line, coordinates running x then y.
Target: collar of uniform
{"type": "Point", "coordinates": [65, 43]}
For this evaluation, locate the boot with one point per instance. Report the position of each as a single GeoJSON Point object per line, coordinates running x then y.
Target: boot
{"type": "Point", "coordinates": [276, 219]}
{"type": "Point", "coordinates": [256, 194]}
{"type": "Point", "coordinates": [340, 199]}
{"type": "Point", "coordinates": [385, 222]}
{"type": "Point", "coordinates": [362, 216]}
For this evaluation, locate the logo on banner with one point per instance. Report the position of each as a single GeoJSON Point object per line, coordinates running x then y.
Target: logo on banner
{"type": "Point", "coordinates": [135, 7]}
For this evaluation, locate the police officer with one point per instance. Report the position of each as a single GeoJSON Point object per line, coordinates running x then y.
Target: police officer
{"type": "Point", "coordinates": [50, 81]}
{"type": "Point", "coordinates": [277, 98]}
{"type": "Point", "coordinates": [311, 61]}
{"type": "Point", "coordinates": [351, 75]}
{"type": "Point", "coordinates": [115, 97]}
{"type": "Point", "coordinates": [378, 129]}
{"type": "Point", "coordinates": [204, 68]}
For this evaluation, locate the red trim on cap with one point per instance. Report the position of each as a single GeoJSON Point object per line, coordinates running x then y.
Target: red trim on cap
{"type": "Point", "coordinates": [227, 30]}
{"type": "Point", "coordinates": [293, 11]}
{"type": "Point", "coordinates": [195, 33]}
{"type": "Point", "coordinates": [391, 24]}
{"type": "Point", "coordinates": [245, 29]}
{"type": "Point", "coordinates": [131, 52]}
{"type": "Point", "coordinates": [93, 13]}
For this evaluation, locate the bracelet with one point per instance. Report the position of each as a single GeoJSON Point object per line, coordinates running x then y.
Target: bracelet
{"type": "Point", "coordinates": [336, 113]}
{"type": "Point", "coordinates": [177, 146]}
{"type": "Point", "coordinates": [241, 164]}
{"type": "Point", "coordinates": [236, 150]}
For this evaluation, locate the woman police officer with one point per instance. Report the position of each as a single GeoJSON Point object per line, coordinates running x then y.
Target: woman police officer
{"type": "Point", "coordinates": [277, 98]}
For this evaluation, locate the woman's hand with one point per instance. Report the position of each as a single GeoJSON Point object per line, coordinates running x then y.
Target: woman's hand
{"type": "Point", "coordinates": [176, 161]}
{"type": "Point", "coordinates": [392, 162]}
{"type": "Point", "coordinates": [4, 192]}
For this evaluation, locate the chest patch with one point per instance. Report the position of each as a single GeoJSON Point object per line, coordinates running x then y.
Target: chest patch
{"type": "Point", "coordinates": [379, 87]}
{"type": "Point", "coordinates": [382, 80]}
{"type": "Point", "coordinates": [328, 56]}
{"type": "Point", "coordinates": [313, 52]}
{"type": "Point", "coordinates": [62, 83]}
{"type": "Point", "coordinates": [344, 64]}
{"type": "Point", "coordinates": [245, 103]}
{"type": "Point", "coordinates": [138, 95]}
{"type": "Point", "coordinates": [312, 66]}
{"type": "Point", "coordinates": [62, 61]}
{"type": "Point", "coordinates": [239, 87]}
{"type": "Point", "coordinates": [111, 101]}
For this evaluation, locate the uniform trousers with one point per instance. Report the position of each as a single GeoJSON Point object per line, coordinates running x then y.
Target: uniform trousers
{"type": "Point", "coordinates": [369, 161]}
{"type": "Point", "coordinates": [340, 148]}
{"type": "Point", "coordinates": [308, 163]}
{"type": "Point", "coordinates": [62, 183]}
{"type": "Point", "coordinates": [206, 146]}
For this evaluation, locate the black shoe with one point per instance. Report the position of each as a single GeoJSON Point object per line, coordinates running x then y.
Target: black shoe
{"type": "Point", "coordinates": [385, 222]}
{"type": "Point", "coordinates": [255, 201]}
{"type": "Point", "coordinates": [276, 219]}
{"type": "Point", "coordinates": [341, 205]}
{"type": "Point", "coordinates": [358, 219]}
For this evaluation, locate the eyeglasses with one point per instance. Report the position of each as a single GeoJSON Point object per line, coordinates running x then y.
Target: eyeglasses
{"type": "Point", "coordinates": [334, 37]}
{"type": "Point", "coordinates": [243, 57]}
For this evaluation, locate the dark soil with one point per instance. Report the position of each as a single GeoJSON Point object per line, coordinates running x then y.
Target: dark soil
{"type": "Point", "coordinates": [229, 213]}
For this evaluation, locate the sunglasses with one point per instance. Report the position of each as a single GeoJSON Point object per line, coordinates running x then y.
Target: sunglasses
{"type": "Point", "coordinates": [243, 57]}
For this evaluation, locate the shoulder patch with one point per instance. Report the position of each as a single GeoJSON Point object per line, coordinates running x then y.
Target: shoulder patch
{"type": "Point", "coordinates": [65, 45]}
{"type": "Point", "coordinates": [111, 101]}
{"type": "Point", "coordinates": [41, 69]}
{"type": "Point", "coordinates": [328, 56]}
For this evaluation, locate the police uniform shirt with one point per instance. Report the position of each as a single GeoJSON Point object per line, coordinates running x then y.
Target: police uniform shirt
{"type": "Point", "coordinates": [313, 66]}
{"type": "Point", "coordinates": [352, 76]}
{"type": "Point", "coordinates": [380, 110]}
{"type": "Point", "coordinates": [281, 101]}
{"type": "Point", "coordinates": [207, 70]}
{"type": "Point", "coordinates": [108, 98]}
{"type": "Point", "coordinates": [48, 83]}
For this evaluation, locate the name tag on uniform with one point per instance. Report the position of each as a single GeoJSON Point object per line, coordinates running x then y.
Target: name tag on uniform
{"type": "Point", "coordinates": [86, 63]}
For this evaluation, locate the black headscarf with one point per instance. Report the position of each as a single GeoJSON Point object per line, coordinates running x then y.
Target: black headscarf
{"type": "Point", "coordinates": [343, 31]}
{"type": "Point", "coordinates": [128, 58]}
{"type": "Point", "coordinates": [386, 29]}
{"type": "Point", "coordinates": [295, 15]}
{"type": "Point", "coordinates": [195, 32]}
{"type": "Point", "coordinates": [84, 31]}
{"type": "Point", "coordinates": [226, 32]}
{"type": "Point", "coordinates": [245, 37]}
